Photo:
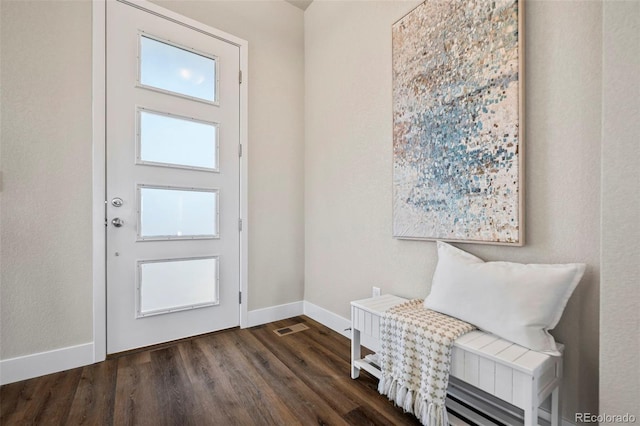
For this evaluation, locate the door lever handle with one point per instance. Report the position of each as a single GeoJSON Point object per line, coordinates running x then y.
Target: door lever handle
{"type": "Point", "coordinates": [117, 222]}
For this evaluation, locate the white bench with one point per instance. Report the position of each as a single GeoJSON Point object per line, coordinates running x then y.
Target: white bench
{"type": "Point", "coordinates": [519, 376]}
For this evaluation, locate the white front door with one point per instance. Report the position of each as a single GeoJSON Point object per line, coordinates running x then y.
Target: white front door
{"type": "Point", "coordinates": [173, 180]}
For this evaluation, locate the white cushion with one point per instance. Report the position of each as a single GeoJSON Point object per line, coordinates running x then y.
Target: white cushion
{"type": "Point", "coordinates": [517, 302]}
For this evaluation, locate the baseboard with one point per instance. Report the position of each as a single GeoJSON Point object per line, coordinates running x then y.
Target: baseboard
{"type": "Point", "coordinates": [40, 364]}
{"type": "Point", "coordinates": [328, 319]}
{"type": "Point", "coordinates": [336, 323]}
{"type": "Point", "coordinates": [35, 365]}
{"type": "Point", "coordinates": [274, 313]}
{"type": "Point", "coordinates": [546, 415]}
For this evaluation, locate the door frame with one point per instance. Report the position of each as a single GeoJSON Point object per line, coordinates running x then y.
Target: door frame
{"type": "Point", "coordinates": [99, 233]}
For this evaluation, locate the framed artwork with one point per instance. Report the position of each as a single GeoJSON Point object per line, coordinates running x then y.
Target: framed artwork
{"type": "Point", "coordinates": [458, 122]}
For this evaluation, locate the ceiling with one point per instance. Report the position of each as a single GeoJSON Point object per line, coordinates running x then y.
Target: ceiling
{"type": "Point", "coordinates": [300, 4]}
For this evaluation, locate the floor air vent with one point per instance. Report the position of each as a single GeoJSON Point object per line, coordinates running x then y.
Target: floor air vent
{"type": "Point", "coordinates": [291, 329]}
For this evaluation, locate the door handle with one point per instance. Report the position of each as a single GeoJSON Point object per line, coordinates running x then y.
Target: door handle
{"type": "Point", "coordinates": [117, 222]}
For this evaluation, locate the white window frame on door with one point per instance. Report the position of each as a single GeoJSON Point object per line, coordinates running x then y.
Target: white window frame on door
{"type": "Point", "coordinates": [99, 162]}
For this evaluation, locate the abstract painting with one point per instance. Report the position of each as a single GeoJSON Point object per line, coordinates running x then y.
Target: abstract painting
{"type": "Point", "coordinates": [457, 122]}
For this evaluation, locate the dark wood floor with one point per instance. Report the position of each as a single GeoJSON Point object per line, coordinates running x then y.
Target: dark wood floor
{"type": "Point", "coordinates": [233, 377]}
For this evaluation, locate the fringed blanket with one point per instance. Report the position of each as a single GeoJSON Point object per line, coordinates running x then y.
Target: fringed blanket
{"type": "Point", "coordinates": [415, 357]}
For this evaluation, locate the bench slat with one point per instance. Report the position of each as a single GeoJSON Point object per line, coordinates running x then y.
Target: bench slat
{"type": "Point", "coordinates": [511, 353]}
{"type": "Point", "coordinates": [465, 338]}
{"type": "Point", "coordinates": [481, 341]}
{"type": "Point", "coordinates": [487, 380]}
{"type": "Point", "coordinates": [471, 369]}
{"type": "Point", "coordinates": [532, 361]}
{"type": "Point", "coordinates": [496, 347]}
{"type": "Point", "coordinates": [504, 383]}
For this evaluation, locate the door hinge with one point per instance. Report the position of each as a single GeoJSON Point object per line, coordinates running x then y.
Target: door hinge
{"type": "Point", "coordinates": [239, 224]}
{"type": "Point", "coordinates": [240, 297]}
{"type": "Point", "coordinates": [240, 77]}
{"type": "Point", "coordinates": [240, 150]}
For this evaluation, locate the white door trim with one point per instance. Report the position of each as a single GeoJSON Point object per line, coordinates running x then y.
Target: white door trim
{"type": "Point", "coordinates": [99, 159]}
{"type": "Point", "coordinates": [99, 262]}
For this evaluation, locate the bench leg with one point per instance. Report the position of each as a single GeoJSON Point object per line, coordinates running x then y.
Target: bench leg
{"type": "Point", "coordinates": [531, 416]}
{"type": "Point", "coordinates": [555, 407]}
{"type": "Point", "coordinates": [355, 352]}
{"type": "Point", "coordinates": [556, 402]}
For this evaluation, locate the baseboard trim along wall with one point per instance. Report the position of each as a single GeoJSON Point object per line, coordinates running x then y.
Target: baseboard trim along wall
{"type": "Point", "coordinates": [328, 319]}
{"type": "Point", "coordinates": [274, 313]}
{"type": "Point", "coordinates": [546, 415]}
{"type": "Point", "coordinates": [335, 322]}
{"type": "Point", "coordinates": [323, 316]}
{"type": "Point", "coordinates": [40, 364]}
{"type": "Point", "coordinates": [29, 366]}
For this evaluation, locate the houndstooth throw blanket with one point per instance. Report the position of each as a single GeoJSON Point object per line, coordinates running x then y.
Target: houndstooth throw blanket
{"type": "Point", "coordinates": [415, 357]}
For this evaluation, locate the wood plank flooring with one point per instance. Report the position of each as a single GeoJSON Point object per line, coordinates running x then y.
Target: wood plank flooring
{"type": "Point", "coordinates": [233, 377]}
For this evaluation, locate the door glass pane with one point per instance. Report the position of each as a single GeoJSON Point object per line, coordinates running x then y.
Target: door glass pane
{"type": "Point", "coordinates": [172, 285]}
{"type": "Point", "coordinates": [174, 69]}
{"type": "Point", "coordinates": [177, 213]}
{"type": "Point", "coordinates": [177, 141]}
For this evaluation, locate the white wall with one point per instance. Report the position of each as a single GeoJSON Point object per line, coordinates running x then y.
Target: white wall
{"type": "Point", "coordinates": [348, 166]}
{"type": "Point", "coordinates": [620, 282]}
{"type": "Point", "coordinates": [45, 224]}
{"type": "Point", "coordinates": [46, 240]}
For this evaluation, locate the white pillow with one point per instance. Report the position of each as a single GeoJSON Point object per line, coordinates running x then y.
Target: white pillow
{"type": "Point", "coordinates": [517, 302]}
